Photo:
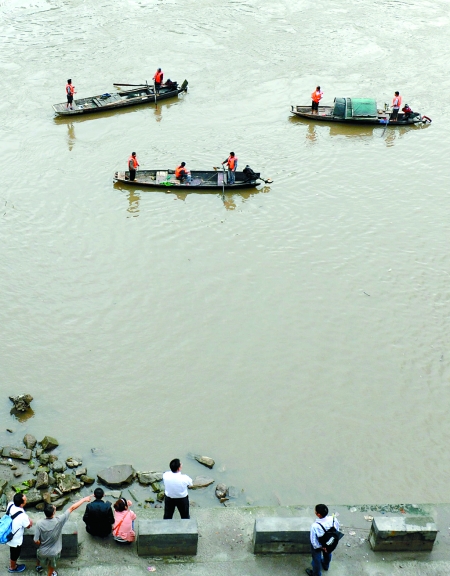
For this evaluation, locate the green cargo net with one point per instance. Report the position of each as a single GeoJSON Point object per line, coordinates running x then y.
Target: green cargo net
{"type": "Point", "coordinates": [355, 108]}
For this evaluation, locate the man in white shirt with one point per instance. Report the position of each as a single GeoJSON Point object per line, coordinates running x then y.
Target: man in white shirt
{"type": "Point", "coordinates": [320, 557]}
{"type": "Point", "coordinates": [20, 521]}
{"type": "Point", "coordinates": [176, 487]}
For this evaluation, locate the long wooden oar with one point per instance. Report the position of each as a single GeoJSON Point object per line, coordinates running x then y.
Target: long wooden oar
{"type": "Point", "coordinates": [268, 181]}
{"type": "Point", "coordinates": [133, 85]}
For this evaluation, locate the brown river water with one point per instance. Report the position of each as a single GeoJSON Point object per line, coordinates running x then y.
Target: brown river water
{"type": "Point", "coordinates": [298, 333]}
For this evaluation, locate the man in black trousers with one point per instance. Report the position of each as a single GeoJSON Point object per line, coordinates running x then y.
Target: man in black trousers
{"type": "Point", "coordinates": [99, 516]}
{"type": "Point", "coordinates": [176, 487]}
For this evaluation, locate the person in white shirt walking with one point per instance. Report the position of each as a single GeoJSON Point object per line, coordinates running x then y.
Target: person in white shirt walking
{"type": "Point", "coordinates": [20, 521]}
{"type": "Point", "coordinates": [321, 558]}
{"type": "Point", "coordinates": [176, 487]}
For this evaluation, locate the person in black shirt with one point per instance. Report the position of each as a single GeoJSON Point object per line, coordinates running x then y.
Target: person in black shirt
{"type": "Point", "coordinates": [99, 516]}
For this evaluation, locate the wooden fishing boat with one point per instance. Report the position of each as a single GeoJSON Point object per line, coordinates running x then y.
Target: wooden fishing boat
{"type": "Point", "coordinates": [205, 179]}
{"type": "Point", "coordinates": [357, 111]}
{"type": "Point", "coordinates": [103, 102]}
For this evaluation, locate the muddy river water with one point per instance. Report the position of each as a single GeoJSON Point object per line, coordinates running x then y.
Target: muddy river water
{"type": "Point", "coordinates": [298, 333]}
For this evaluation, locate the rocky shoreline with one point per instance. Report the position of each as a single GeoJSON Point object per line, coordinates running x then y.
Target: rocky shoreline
{"type": "Point", "coordinates": [36, 470]}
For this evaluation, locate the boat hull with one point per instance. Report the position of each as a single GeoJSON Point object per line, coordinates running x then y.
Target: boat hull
{"type": "Point", "coordinates": [201, 179]}
{"type": "Point", "coordinates": [143, 95]}
{"type": "Point", "coordinates": [325, 114]}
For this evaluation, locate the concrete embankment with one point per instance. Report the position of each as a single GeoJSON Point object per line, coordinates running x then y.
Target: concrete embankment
{"type": "Point", "coordinates": [225, 547]}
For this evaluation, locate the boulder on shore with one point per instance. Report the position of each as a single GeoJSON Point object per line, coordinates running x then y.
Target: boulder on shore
{"type": "Point", "coordinates": [34, 497]}
{"type": "Point", "coordinates": [42, 480]}
{"type": "Point", "coordinates": [22, 454]}
{"type": "Point", "coordinates": [49, 443]}
{"type": "Point", "coordinates": [67, 482]}
{"type": "Point", "coordinates": [201, 482]}
{"type": "Point", "coordinates": [205, 460]}
{"type": "Point", "coordinates": [30, 441]}
{"type": "Point", "coordinates": [21, 402]}
{"type": "Point", "coordinates": [221, 491]}
{"type": "Point", "coordinates": [87, 479]}
{"type": "Point", "coordinates": [147, 478]}
{"type": "Point", "coordinates": [119, 475]}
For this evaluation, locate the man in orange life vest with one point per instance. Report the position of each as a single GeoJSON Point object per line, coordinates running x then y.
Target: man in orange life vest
{"type": "Point", "coordinates": [183, 174]}
{"type": "Point", "coordinates": [396, 103]}
{"type": "Point", "coordinates": [133, 165]}
{"type": "Point", "coordinates": [316, 98]}
{"type": "Point", "coordinates": [158, 78]}
{"type": "Point", "coordinates": [232, 163]}
{"type": "Point", "coordinates": [70, 91]}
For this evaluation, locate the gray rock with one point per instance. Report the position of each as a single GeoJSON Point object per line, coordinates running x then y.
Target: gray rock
{"type": "Point", "coordinates": [44, 459]}
{"type": "Point", "coordinates": [3, 485]}
{"type": "Point", "coordinates": [80, 472]}
{"type": "Point", "coordinates": [23, 454]}
{"type": "Point", "coordinates": [119, 475]}
{"type": "Point", "coordinates": [147, 478]}
{"type": "Point", "coordinates": [21, 402]}
{"type": "Point", "coordinates": [221, 491]}
{"type": "Point", "coordinates": [42, 480]}
{"type": "Point", "coordinates": [58, 466]}
{"type": "Point", "coordinates": [87, 479]}
{"type": "Point", "coordinates": [156, 487]}
{"type": "Point", "coordinates": [205, 460]}
{"type": "Point", "coordinates": [52, 458]}
{"type": "Point", "coordinates": [150, 500]}
{"type": "Point", "coordinates": [17, 474]}
{"type": "Point", "coordinates": [38, 452]}
{"type": "Point", "coordinates": [114, 494]}
{"type": "Point", "coordinates": [31, 464]}
{"type": "Point", "coordinates": [30, 441]}
{"type": "Point", "coordinates": [42, 469]}
{"type": "Point", "coordinates": [49, 443]}
{"type": "Point", "coordinates": [67, 482]}
{"type": "Point", "coordinates": [73, 462]}
{"type": "Point", "coordinates": [34, 497]}
{"type": "Point", "coordinates": [202, 482]}
{"type": "Point", "coordinates": [61, 502]}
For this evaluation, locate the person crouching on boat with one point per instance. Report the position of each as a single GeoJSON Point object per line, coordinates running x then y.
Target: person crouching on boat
{"type": "Point", "coordinates": [158, 78]}
{"type": "Point", "coordinates": [232, 163]}
{"type": "Point", "coordinates": [316, 97]}
{"type": "Point", "coordinates": [70, 91]}
{"type": "Point", "coordinates": [408, 113]}
{"type": "Point", "coordinates": [396, 103]}
{"type": "Point", "coordinates": [183, 174]}
{"type": "Point", "coordinates": [133, 165]}
{"type": "Point", "coordinates": [249, 174]}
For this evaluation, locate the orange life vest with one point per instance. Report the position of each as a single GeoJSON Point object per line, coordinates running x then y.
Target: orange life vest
{"type": "Point", "coordinates": [135, 162]}
{"type": "Point", "coordinates": [179, 172]}
{"type": "Point", "coordinates": [231, 162]}
{"type": "Point", "coordinates": [396, 101]}
{"type": "Point", "coordinates": [316, 96]}
{"type": "Point", "coordinates": [70, 89]}
{"type": "Point", "coordinates": [158, 77]}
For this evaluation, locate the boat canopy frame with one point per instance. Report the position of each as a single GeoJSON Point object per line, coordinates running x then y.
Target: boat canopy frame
{"type": "Point", "coordinates": [355, 108]}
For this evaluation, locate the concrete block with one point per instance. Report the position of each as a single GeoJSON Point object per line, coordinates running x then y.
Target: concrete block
{"type": "Point", "coordinates": [409, 533]}
{"type": "Point", "coordinates": [167, 537]}
{"type": "Point", "coordinates": [273, 535]}
{"type": "Point", "coordinates": [69, 542]}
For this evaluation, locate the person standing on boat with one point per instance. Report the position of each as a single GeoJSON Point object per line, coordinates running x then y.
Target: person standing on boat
{"type": "Point", "coordinates": [133, 165]}
{"type": "Point", "coordinates": [158, 78]}
{"type": "Point", "coordinates": [396, 103]}
{"type": "Point", "coordinates": [232, 163]}
{"type": "Point", "coordinates": [183, 174]}
{"type": "Point", "coordinates": [70, 91]}
{"type": "Point", "coordinates": [316, 97]}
